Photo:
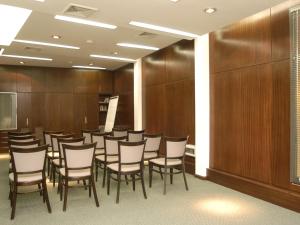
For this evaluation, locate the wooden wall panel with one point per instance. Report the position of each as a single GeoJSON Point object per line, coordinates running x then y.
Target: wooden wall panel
{"type": "Point", "coordinates": [123, 86]}
{"type": "Point", "coordinates": [56, 98]}
{"type": "Point", "coordinates": [169, 93]}
{"type": "Point", "coordinates": [250, 112]}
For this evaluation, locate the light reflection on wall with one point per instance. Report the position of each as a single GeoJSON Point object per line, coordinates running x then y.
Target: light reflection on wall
{"type": "Point", "coordinates": [4, 156]}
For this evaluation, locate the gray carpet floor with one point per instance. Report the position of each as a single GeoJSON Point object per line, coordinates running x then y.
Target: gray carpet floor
{"type": "Point", "coordinates": [205, 203]}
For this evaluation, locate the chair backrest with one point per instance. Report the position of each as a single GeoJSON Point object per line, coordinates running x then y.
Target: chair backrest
{"type": "Point", "coordinates": [135, 135]}
{"type": "Point", "coordinates": [24, 145]}
{"type": "Point", "coordinates": [111, 144]}
{"type": "Point", "coordinates": [47, 136]}
{"type": "Point", "coordinates": [22, 138]}
{"type": "Point", "coordinates": [79, 157]}
{"type": "Point", "coordinates": [30, 160]}
{"type": "Point", "coordinates": [99, 139]}
{"type": "Point", "coordinates": [54, 142]}
{"type": "Point", "coordinates": [19, 134]}
{"type": "Point", "coordinates": [68, 141]}
{"type": "Point", "coordinates": [119, 132]}
{"type": "Point", "coordinates": [175, 147]}
{"type": "Point", "coordinates": [131, 152]}
{"type": "Point", "coordinates": [88, 135]}
{"type": "Point", "coordinates": [153, 142]}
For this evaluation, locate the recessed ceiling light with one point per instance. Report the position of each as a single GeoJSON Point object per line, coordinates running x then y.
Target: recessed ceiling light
{"type": "Point", "coordinates": [210, 10]}
{"type": "Point", "coordinates": [90, 67]}
{"type": "Point", "coordinates": [116, 53]}
{"type": "Point", "coordinates": [46, 44]}
{"type": "Point", "coordinates": [39, 0]}
{"type": "Point", "coordinates": [11, 21]}
{"type": "Point", "coordinates": [175, 1]}
{"type": "Point", "coordinates": [22, 62]}
{"type": "Point", "coordinates": [138, 46]}
{"type": "Point", "coordinates": [91, 64]}
{"type": "Point", "coordinates": [1, 51]}
{"type": "Point", "coordinates": [89, 41]}
{"type": "Point", "coordinates": [163, 29]}
{"type": "Point", "coordinates": [56, 36]}
{"type": "Point", "coordinates": [26, 57]}
{"type": "Point", "coordinates": [113, 58]}
{"type": "Point", "coordinates": [85, 22]}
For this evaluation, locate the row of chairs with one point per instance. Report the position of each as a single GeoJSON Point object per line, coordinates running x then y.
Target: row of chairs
{"type": "Point", "coordinates": [76, 160]}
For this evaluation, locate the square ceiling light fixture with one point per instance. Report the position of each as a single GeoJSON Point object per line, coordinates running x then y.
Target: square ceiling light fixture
{"type": "Point", "coordinates": [12, 20]}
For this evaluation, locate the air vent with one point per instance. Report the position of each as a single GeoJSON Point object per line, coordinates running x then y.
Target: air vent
{"type": "Point", "coordinates": [148, 35]}
{"type": "Point", "coordinates": [79, 10]}
{"type": "Point", "coordinates": [33, 49]}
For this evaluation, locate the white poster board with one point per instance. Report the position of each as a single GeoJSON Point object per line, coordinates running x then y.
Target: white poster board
{"type": "Point", "coordinates": [111, 114]}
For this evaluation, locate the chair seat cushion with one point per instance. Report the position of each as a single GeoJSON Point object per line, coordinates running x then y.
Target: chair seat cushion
{"type": "Point", "coordinates": [55, 155]}
{"type": "Point", "coordinates": [170, 162]}
{"type": "Point", "coordinates": [109, 158]}
{"type": "Point", "coordinates": [56, 162]}
{"type": "Point", "coordinates": [76, 173]}
{"type": "Point", "coordinates": [124, 168]}
{"type": "Point", "coordinates": [99, 151]}
{"type": "Point", "coordinates": [27, 177]}
{"type": "Point", "coordinates": [150, 155]}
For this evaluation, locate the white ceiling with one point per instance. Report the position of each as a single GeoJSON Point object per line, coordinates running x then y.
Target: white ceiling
{"type": "Point", "coordinates": [186, 15]}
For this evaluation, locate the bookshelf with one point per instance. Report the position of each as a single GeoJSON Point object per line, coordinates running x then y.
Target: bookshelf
{"type": "Point", "coordinates": [103, 107]}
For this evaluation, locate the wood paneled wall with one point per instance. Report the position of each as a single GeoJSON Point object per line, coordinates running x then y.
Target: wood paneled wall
{"type": "Point", "coordinates": [250, 124]}
{"type": "Point", "coordinates": [123, 86]}
{"type": "Point", "coordinates": [55, 98]}
{"type": "Point", "coordinates": [169, 93]}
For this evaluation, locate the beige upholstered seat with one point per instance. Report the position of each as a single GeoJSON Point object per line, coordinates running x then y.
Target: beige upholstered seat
{"type": "Point", "coordinates": [124, 168]}
{"type": "Point", "coordinates": [27, 177]}
{"type": "Point", "coordinates": [99, 152]}
{"type": "Point", "coordinates": [150, 155]}
{"type": "Point", "coordinates": [170, 162]}
{"type": "Point", "coordinates": [76, 173]}
{"type": "Point", "coordinates": [57, 163]}
{"type": "Point", "coordinates": [108, 159]}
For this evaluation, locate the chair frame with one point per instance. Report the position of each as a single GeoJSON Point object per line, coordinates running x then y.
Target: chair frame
{"type": "Point", "coordinates": [135, 132]}
{"type": "Point", "coordinates": [50, 145]}
{"type": "Point", "coordinates": [105, 163]}
{"type": "Point", "coordinates": [53, 166]}
{"type": "Point", "coordinates": [65, 179]}
{"type": "Point", "coordinates": [119, 129]}
{"type": "Point", "coordinates": [154, 136]}
{"type": "Point", "coordinates": [180, 168]}
{"type": "Point", "coordinates": [15, 134]}
{"type": "Point", "coordinates": [21, 138]}
{"type": "Point", "coordinates": [139, 172]}
{"type": "Point", "coordinates": [14, 184]}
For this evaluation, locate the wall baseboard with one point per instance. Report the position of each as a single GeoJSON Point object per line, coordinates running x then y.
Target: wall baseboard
{"type": "Point", "coordinates": [282, 197]}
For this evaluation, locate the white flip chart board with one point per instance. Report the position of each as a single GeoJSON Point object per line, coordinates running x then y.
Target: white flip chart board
{"type": "Point", "coordinates": [111, 113]}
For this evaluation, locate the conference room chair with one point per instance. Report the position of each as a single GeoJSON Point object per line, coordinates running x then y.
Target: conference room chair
{"type": "Point", "coordinates": [110, 154]}
{"type": "Point", "coordinates": [152, 146]}
{"type": "Point", "coordinates": [58, 163]}
{"type": "Point", "coordinates": [135, 135]}
{"type": "Point", "coordinates": [19, 134]}
{"type": "Point", "coordinates": [119, 132]}
{"type": "Point", "coordinates": [173, 160]}
{"type": "Point", "coordinates": [21, 138]}
{"type": "Point", "coordinates": [130, 163]}
{"type": "Point", "coordinates": [78, 161]}
{"type": "Point", "coordinates": [88, 135]}
{"type": "Point", "coordinates": [47, 141]}
{"type": "Point", "coordinates": [28, 168]}
{"type": "Point", "coordinates": [99, 139]}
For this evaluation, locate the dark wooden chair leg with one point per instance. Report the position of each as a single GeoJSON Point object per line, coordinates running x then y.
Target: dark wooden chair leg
{"type": "Point", "coordinates": [165, 180]}
{"type": "Point", "coordinates": [61, 189]}
{"type": "Point", "coordinates": [14, 201]}
{"type": "Point", "coordinates": [118, 188]}
{"type": "Point", "coordinates": [171, 175]}
{"type": "Point", "coordinates": [150, 174]}
{"type": "Point", "coordinates": [84, 183]}
{"type": "Point", "coordinates": [143, 184]}
{"type": "Point", "coordinates": [65, 194]}
{"type": "Point", "coordinates": [97, 171]}
{"type": "Point", "coordinates": [133, 182]}
{"type": "Point", "coordinates": [160, 172]}
{"type": "Point", "coordinates": [46, 197]}
{"type": "Point", "coordinates": [48, 167]}
{"type": "Point", "coordinates": [40, 188]}
{"type": "Point", "coordinates": [94, 191]}
{"type": "Point", "coordinates": [184, 177]}
{"type": "Point", "coordinates": [59, 183]}
{"type": "Point", "coordinates": [90, 188]}
{"type": "Point", "coordinates": [108, 181]}
{"type": "Point", "coordinates": [104, 175]}
{"type": "Point", "coordinates": [126, 179]}
{"type": "Point", "coordinates": [53, 174]}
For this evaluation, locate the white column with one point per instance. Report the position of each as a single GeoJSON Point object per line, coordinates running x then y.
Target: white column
{"type": "Point", "coordinates": [138, 125]}
{"type": "Point", "coordinates": [202, 103]}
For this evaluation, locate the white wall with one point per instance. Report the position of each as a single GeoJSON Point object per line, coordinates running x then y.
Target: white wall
{"type": "Point", "coordinates": [138, 122]}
